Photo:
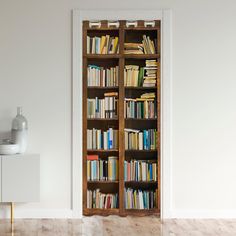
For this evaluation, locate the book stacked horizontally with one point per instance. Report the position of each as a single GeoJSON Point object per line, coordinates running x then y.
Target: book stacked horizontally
{"type": "Point", "coordinates": [150, 73]}
{"type": "Point", "coordinates": [133, 48]}
{"type": "Point", "coordinates": [102, 170]}
{"type": "Point", "coordinates": [102, 45]}
{"type": "Point", "coordinates": [96, 199]}
{"type": "Point", "coordinates": [104, 77]}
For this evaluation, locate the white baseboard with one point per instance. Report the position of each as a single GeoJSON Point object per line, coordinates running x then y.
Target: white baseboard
{"type": "Point", "coordinates": [21, 213]}
{"type": "Point", "coordinates": [203, 214]}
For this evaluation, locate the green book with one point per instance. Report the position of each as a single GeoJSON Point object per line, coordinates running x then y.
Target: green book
{"type": "Point", "coordinates": [140, 77]}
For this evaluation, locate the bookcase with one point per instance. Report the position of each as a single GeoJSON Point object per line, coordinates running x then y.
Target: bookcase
{"type": "Point", "coordinates": [121, 117]}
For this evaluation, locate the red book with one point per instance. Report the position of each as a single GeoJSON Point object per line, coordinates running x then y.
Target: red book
{"type": "Point", "coordinates": [92, 157]}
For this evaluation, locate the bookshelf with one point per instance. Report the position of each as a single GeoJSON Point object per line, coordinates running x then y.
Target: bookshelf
{"type": "Point", "coordinates": [115, 118]}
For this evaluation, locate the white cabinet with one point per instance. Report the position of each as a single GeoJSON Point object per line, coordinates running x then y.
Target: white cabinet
{"type": "Point", "coordinates": [20, 178]}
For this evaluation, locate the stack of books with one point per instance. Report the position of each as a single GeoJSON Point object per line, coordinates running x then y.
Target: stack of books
{"type": "Point", "coordinates": [102, 170]}
{"type": "Point", "coordinates": [139, 199]}
{"type": "Point", "coordinates": [96, 199]}
{"type": "Point", "coordinates": [98, 76]}
{"type": "Point", "coordinates": [133, 76]}
{"type": "Point", "coordinates": [98, 139]}
{"type": "Point", "coordinates": [102, 45]}
{"type": "Point", "coordinates": [133, 48]}
{"type": "Point", "coordinates": [150, 71]}
{"type": "Point", "coordinates": [147, 46]}
{"type": "Point", "coordinates": [144, 107]}
{"type": "Point", "coordinates": [138, 170]}
{"type": "Point", "coordinates": [103, 108]}
{"type": "Point", "coordinates": [140, 140]}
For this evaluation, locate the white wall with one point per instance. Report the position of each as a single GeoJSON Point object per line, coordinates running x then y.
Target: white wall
{"type": "Point", "coordinates": [35, 72]}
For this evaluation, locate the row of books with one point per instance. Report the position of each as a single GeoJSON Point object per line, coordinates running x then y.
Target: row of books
{"type": "Point", "coordinates": [99, 76]}
{"type": "Point", "coordinates": [147, 46]}
{"type": "Point", "coordinates": [97, 199]}
{"type": "Point", "coordinates": [102, 45]}
{"type": "Point", "coordinates": [98, 139]}
{"type": "Point", "coordinates": [139, 199]}
{"type": "Point", "coordinates": [141, 76]}
{"type": "Point", "coordinates": [102, 170]}
{"type": "Point", "coordinates": [103, 108]}
{"type": "Point", "coordinates": [144, 107]}
{"type": "Point", "coordinates": [139, 170]}
{"type": "Point", "coordinates": [140, 140]}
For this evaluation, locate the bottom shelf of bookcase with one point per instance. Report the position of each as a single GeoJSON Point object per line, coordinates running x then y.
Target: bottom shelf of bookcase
{"type": "Point", "coordinates": [102, 212]}
{"type": "Point", "coordinates": [139, 212]}
{"type": "Point", "coordinates": [126, 212]}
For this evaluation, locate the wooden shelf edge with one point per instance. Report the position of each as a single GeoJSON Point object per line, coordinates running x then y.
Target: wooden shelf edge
{"type": "Point", "coordinates": [139, 212]}
{"type": "Point", "coordinates": [102, 212]}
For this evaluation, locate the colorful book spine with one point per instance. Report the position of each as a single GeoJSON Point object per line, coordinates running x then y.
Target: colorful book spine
{"type": "Point", "coordinates": [99, 200]}
{"type": "Point", "coordinates": [140, 199]}
{"type": "Point", "coordinates": [102, 45]}
{"type": "Point", "coordinates": [98, 139]}
{"type": "Point", "coordinates": [140, 140]}
{"type": "Point", "coordinates": [103, 170]}
{"type": "Point", "coordinates": [103, 77]}
{"type": "Point", "coordinates": [138, 170]}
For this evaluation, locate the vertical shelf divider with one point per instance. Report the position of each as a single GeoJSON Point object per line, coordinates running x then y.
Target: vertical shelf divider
{"type": "Point", "coordinates": [121, 118]}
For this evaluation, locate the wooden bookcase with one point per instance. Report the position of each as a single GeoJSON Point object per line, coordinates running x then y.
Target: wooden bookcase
{"type": "Point", "coordinates": [121, 59]}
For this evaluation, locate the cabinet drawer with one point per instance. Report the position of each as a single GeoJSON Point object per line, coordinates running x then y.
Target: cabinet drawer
{"type": "Point", "coordinates": [21, 178]}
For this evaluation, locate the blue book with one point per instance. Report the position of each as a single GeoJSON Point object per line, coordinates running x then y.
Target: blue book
{"type": "Point", "coordinates": [150, 168]}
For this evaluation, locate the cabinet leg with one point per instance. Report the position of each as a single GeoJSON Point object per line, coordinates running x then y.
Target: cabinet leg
{"type": "Point", "coordinates": [12, 212]}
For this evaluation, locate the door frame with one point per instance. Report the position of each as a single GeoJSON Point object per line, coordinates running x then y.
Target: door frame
{"type": "Point", "coordinates": [165, 15]}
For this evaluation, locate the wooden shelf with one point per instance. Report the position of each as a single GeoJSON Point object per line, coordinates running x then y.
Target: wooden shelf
{"type": "Point", "coordinates": [144, 151]}
{"type": "Point", "coordinates": [102, 56]}
{"type": "Point", "coordinates": [102, 88]}
{"type": "Point", "coordinates": [140, 88]}
{"type": "Point", "coordinates": [144, 212]}
{"type": "Point", "coordinates": [140, 119]}
{"type": "Point", "coordinates": [101, 150]}
{"type": "Point", "coordinates": [102, 212]}
{"type": "Point", "coordinates": [140, 182]}
{"type": "Point", "coordinates": [102, 182]}
{"type": "Point", "coordinates": [142, 56]}
{"type": "Point", "coordinates": [102, 119]}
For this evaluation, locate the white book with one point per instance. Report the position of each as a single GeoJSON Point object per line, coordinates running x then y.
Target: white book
{"type": "Point", "coordinates": [105, 140]}
{"type": "Point", "coordinates": [140, 139]}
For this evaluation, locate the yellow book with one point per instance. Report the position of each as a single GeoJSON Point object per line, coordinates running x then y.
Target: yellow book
{"type": "Point", "coordinates": [115, 45]}
{"type": "Point", "coordinates": [103, 42]}
{"type": "Point", "coordinates": [88, 170]}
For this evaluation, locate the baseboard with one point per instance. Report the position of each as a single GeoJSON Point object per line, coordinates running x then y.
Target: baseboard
{"type": "Point", "coordinates": [203, 214]}
{"type": "Point", "coordinates": [21, 213]}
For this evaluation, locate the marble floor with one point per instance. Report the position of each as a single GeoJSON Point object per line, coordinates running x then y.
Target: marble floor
{"type": "Point", "coordinates": [118, 226]}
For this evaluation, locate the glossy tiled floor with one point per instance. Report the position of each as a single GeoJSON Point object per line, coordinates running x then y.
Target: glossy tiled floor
{"type": "Point", "coordinates": [118, 226]}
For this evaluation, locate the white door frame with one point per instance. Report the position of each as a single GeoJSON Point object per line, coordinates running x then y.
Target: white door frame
{"type": "Point", "coordinates": [166, 98]}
